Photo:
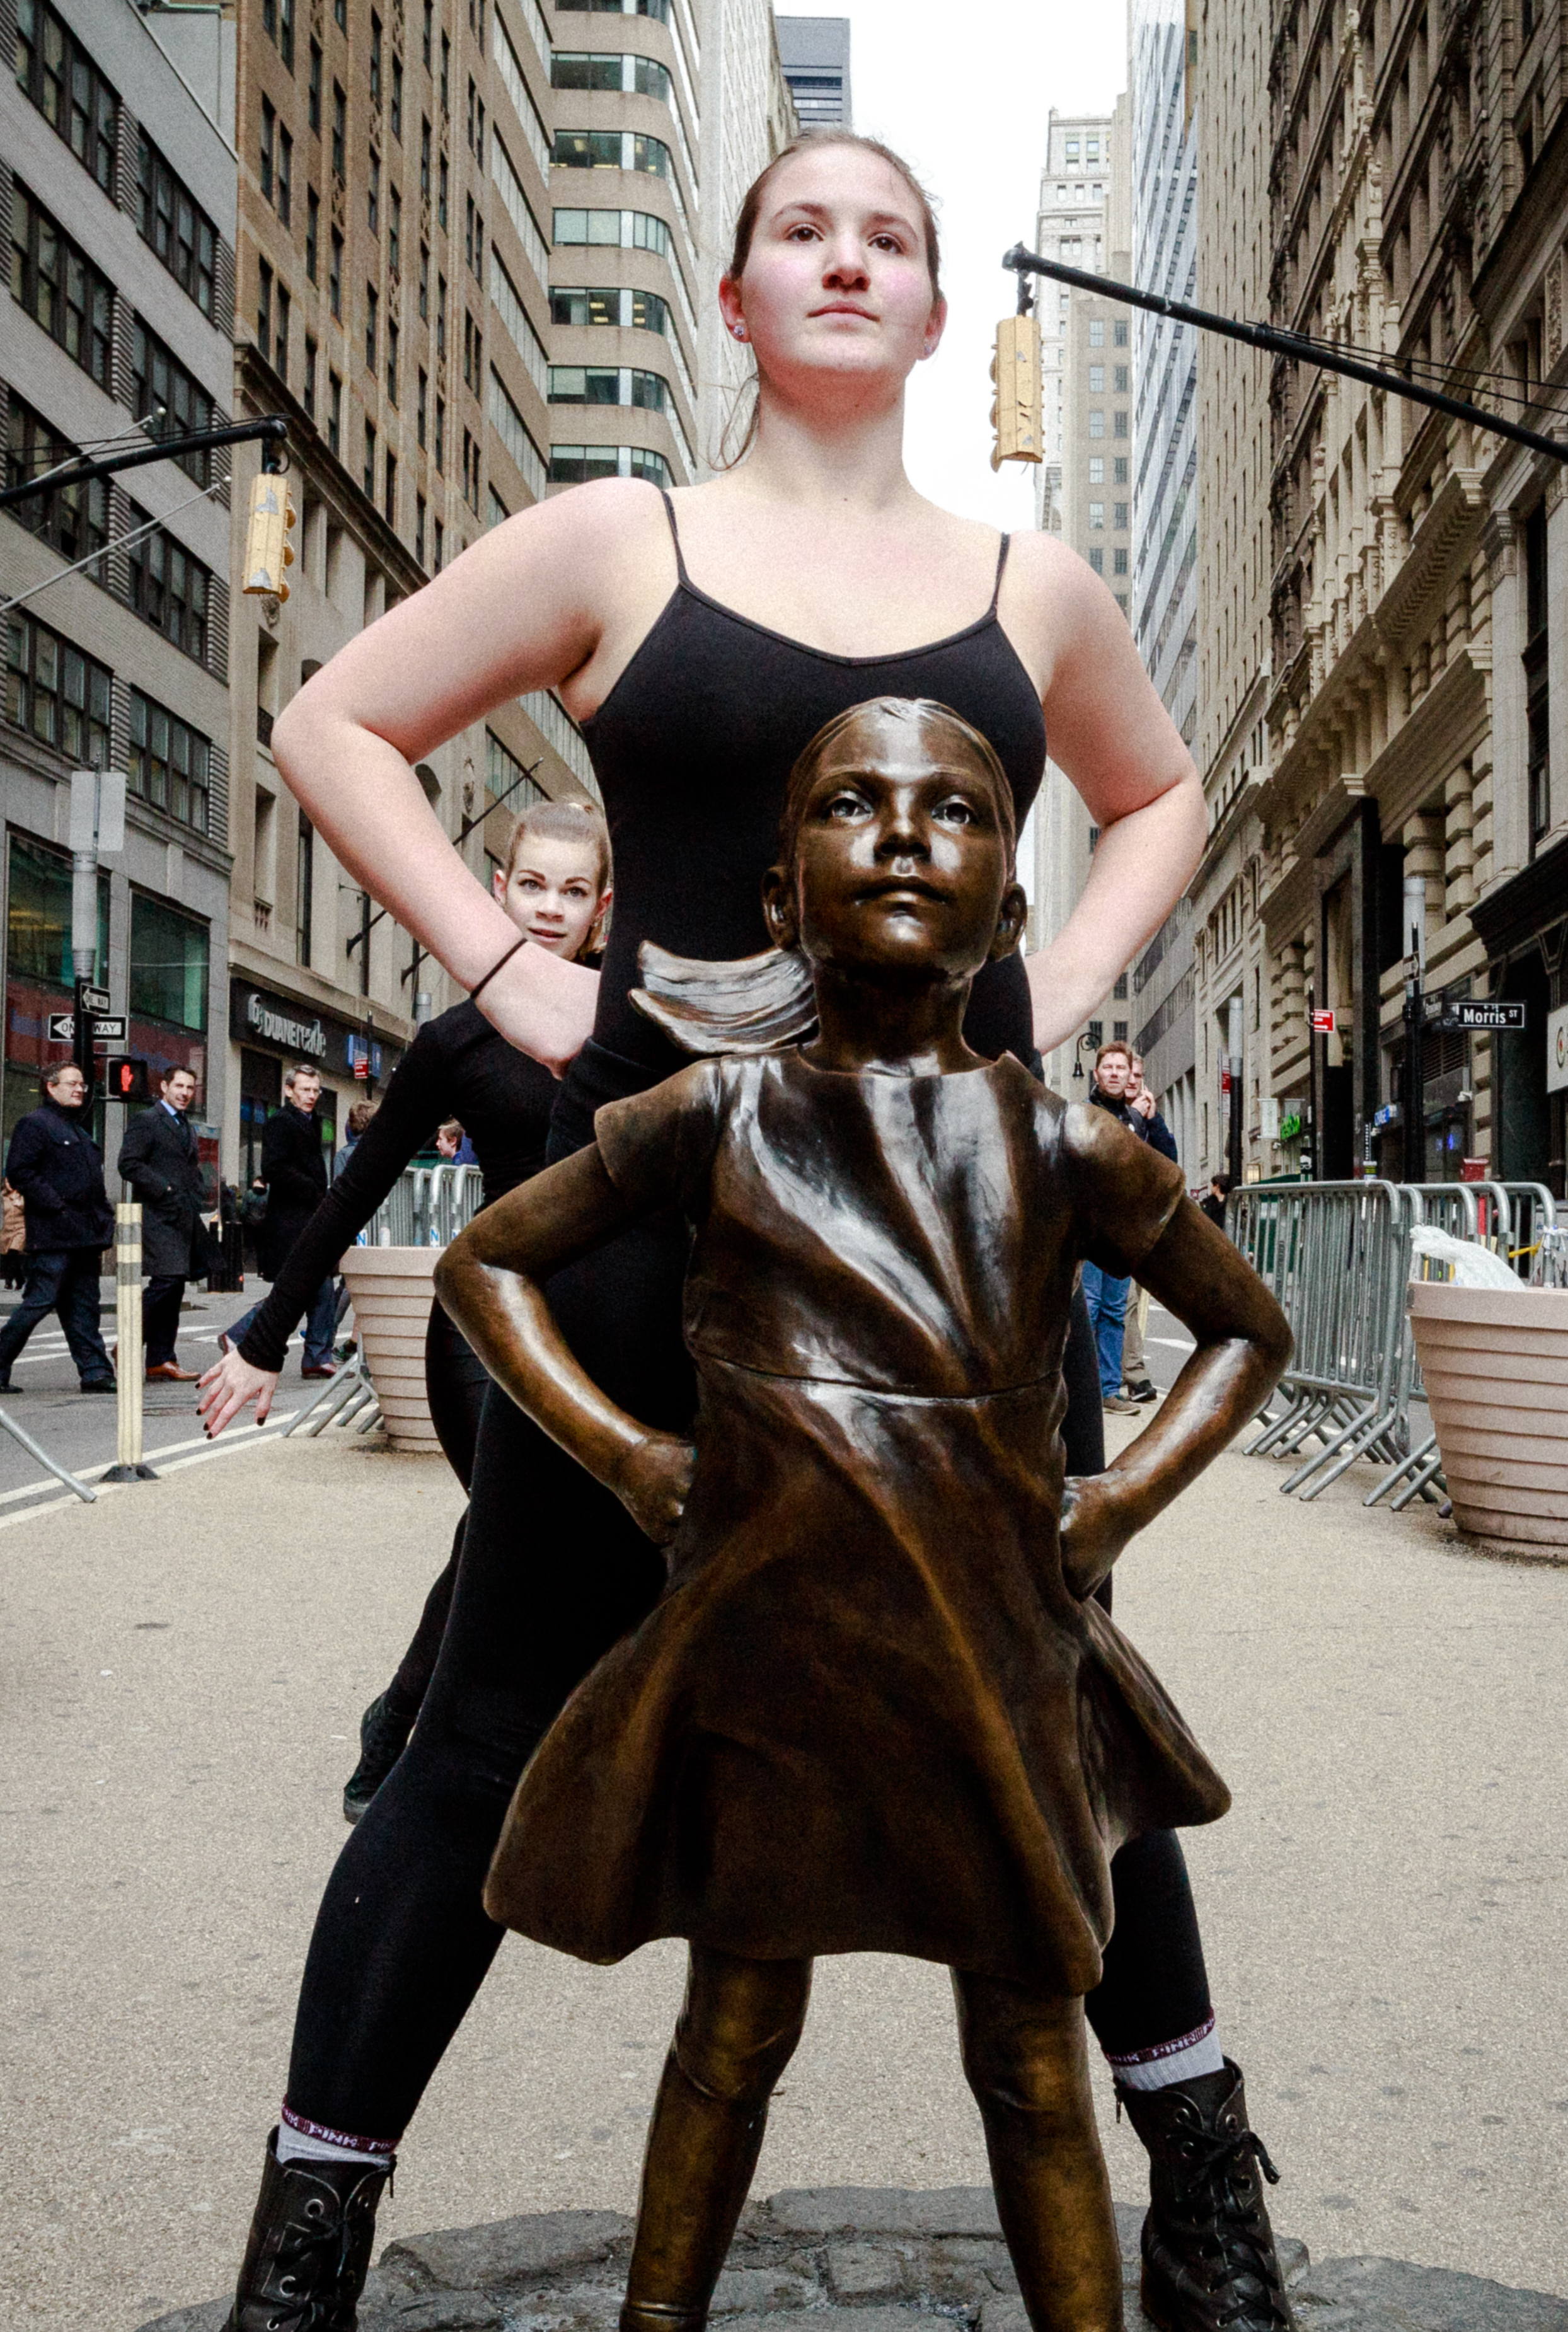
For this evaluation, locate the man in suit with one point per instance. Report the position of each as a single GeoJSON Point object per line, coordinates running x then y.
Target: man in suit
{"type": "Point", "coordinates": [294, 1171]}
{"type": "Point", "coordinates": [158, 1159]}
{"type": "Point", "coordinates": [57, 1167]}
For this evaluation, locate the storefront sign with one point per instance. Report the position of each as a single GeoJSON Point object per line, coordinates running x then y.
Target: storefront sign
{"type": "Point", "coordinates": [257, 1017]}
{"type": "Point", "coordinates": [1322, 1023]}
{"type": "Point", "coordinates": [1557, 1050]}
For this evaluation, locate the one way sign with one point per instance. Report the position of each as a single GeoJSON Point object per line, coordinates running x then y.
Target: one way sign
{"type": "Point", "coordinates": [108, 1027]}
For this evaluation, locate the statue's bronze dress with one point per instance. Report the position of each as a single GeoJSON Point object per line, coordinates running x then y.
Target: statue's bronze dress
{"type": "Point", "coordinates": [866, 1714]}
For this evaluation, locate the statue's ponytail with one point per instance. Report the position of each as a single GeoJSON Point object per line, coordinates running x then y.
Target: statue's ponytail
{"type": "Point", "coordinates": [754, 1004]}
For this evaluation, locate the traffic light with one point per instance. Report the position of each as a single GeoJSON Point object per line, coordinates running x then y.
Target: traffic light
{"type": "Point", "coordinates": [125, 1079]}
{"type": "Point", "coordinates": [1016, 414]}
{"type": "Point", "coordinates": [268, 549]}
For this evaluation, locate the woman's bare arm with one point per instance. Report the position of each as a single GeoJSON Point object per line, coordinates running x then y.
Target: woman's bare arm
{"type": "Point", "coordinates": [522, 609]}
{"type": "Point", "coordinates": [488, 1282]}
{"type": "Point", "coordinates": [1107, 729]}
{"type": "Point", "coordinates": [1244, 1344]}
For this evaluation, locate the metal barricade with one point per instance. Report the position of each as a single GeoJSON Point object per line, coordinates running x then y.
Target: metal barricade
{"type": "Point", "coordinates": [1336, 1256]}
{"type": "Point", "coordinates": [427, 1206]}
{"type": "Point", "coordinates": [1536, 1231]}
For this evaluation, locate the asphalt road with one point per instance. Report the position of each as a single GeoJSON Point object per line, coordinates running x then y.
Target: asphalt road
{"type": "Point", "coordinates": [79, 1430]}
{"type": "Point", "coordinates": [181, 1671]}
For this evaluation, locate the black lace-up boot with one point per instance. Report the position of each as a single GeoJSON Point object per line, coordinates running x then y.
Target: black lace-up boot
{"type": "Point", "coordinates": [1209, 2255]}
{"type": "Point", "coordinates": [384, 1731]}
{"type": "Point", "coordinates": [309, 2251]}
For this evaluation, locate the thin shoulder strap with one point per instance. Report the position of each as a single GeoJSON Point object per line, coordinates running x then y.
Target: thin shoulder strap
{"type": "Point", "coordinates": [1001, 569]}
{"type": "Point", "coordinates": [675, 537]}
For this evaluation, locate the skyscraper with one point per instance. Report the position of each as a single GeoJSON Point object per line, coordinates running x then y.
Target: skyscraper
{"type": "Point", "coordinates": [815, 53]}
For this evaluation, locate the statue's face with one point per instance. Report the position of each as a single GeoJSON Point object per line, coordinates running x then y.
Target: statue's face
{"type": "Point", "coordinates": [901, 861]}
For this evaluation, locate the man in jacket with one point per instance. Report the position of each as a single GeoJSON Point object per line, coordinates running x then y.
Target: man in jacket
{"type": "Point", "coordinates": [1145, 1120]}
{"type": "Point", "coordinates": [58, 1168]}
{"type": "Point", "coordinates": [1112, 1089]}
{"type": "Point", "coordinates": [294, 1171]}
{"type": "Point", "coordinates": [158, 1159]}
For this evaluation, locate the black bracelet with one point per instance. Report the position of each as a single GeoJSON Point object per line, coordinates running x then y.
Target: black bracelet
{"type": "Point", "coordinates": [475, 993]}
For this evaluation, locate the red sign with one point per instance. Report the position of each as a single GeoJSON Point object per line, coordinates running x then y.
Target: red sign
{"type": "Point", "coordinates": [1322, 1024]}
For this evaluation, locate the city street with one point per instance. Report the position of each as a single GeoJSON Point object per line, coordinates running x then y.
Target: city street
{"type": "Point", "coordinates": [183, 1670]}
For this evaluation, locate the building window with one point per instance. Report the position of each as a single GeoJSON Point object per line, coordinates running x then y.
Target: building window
{"type": "Point", "coordinates": [304, 890]}
{"type": "Point", "coordinates": [372, 320]}
{"type": "Point", "coordinates": [442, 194]}
{"type": "Point", "coordinates": [1096, 422]}
{"type": "Point", "coordinates": [55, 693]}
{"type": "Point", "coordinates": [1119, 470]}
{"type": "Point", "coordinates": [474, 241]}
{"type": "Point", "coordinates": [425, 160]}
{"type": "Point", "coordinates": [419, 528]}
{"type": "Point", "coordinates": [1537, 705]}
{"type": "Point", "coordinates": [335, 277]}
{"type": "Point", "coordinates": [1097, 340]}
{"type": "Point", "coordinates": [1097, 561]}
{"type": "Point", "coordinates": [425, 282]}
{"type": "Point", "coordinates": [308, 399]}
{"type": "Point", "coordinates": [56, 73]}
{"type": "Point", "coordinates": [1118, 562]}
{"type": "Point", "coordinates": [571, 465]}
{"type": "Point", "coordinates": [470, 467]}
{"type": "Point", "coordinates": [1119, 517]}
{"type": "Point", "coordinates": [475, 123]}
{"type": "Point", "coordinates": [1096, 381]}
{"type": "Point", "coordinates": [312, 231]}
{"type": "Point", "coordinates": [1122, 380]}
{"type": "Point", "coordinates": [426, 34]}
{"type": "Point", "coordinates": [394, 231]}
{"type": "Point", "coordinates": [175, 227]}
{"type": "Point", "coordinates": [72, 519]}
{"type": "Point", "coordinates": [281, 346]}
{"type": "Point", "coordinates": [389, 498]}
{"type": "Point", "coordinates": [170, 962]}
{"type": "Point", "coordinates": [1097, 517]}
{"type": "Point", "coordinates": [391, 361]}
{"type": "Point", "coordinates": [169, 763]}
{"type": "Point", "coordinates": [313, 97]}
{"type": "Point", "coordinates": [645, 310]}
{"type": "Point", "coordinates": [1119, 335]}
{"type": "Point", "coordinates": [446, 78]}
{"type": "Point", "coordinates": [421, 404]}
{"type": "Point", "coordinates": [264, 308]}
{"type": "Point", "coordinates": [269, 136]}
{"type": "Point", "coordinates": [512, 431]}
{"type": "Point", "coordinates": [1120, 428]}
{"type": "Point", "coordinates": [440, 439]}
{"type": "Point", "coordinates": [334, 414]}
{"type": "Point", "coordinates": [375, 59]}
{"type": "Point", "coordinates": [637, 230]}
{"type": "Point", "coordinates": [439, 553]}
{"type": "Point", "coordinates": [441, 315]}
{"type": "Point", "coordinates": [373, 196]}
{"type": "Point", "coordinates": [395, 113]}
{"type": "Point", "coordinates": [499, 513]}
{"type": "Point", "coordinates": [340, 15]}
{"type": "Point", "coordinates": [159, 378]}
{"type": "Point", "coordinates": [285, 178]}
{"type": "Point", "coordinates": [370, 460]}
{"type": "Point", "coordinates": [60, 288]}
{"type": "Point", "coordinates": [472, 354]}
{"type": "Point", "coordinates": [1096, 469]}
{"type": "Point", "coordinates": [339, 131]}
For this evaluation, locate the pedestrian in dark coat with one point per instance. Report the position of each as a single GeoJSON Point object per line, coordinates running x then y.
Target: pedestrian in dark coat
{"type": "Point", "coordinates": [158, 1159]}
{"type": "Point", "coordinates": [57, 1169]}
{"type": "Point", "coordinates": [294, 1171]}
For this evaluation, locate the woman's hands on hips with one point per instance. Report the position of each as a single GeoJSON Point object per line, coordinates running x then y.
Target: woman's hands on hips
{"type": "Point", "coordinates": [653, 1481]}
{"type": "Point", "coordinates": [1095, 1530]}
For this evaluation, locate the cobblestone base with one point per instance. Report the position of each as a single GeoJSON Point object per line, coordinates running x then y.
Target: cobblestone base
{"type": "Point", "coordinates": [852, 2258]}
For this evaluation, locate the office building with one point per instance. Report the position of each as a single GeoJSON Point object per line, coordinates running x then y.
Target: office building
{"type": "Point", "coordinates": [119, 188]}
{"type": "Point", "coordinates": [815, 53]}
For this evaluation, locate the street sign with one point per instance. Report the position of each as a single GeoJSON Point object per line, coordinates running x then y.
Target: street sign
{"type": "Point", "coordinates": [108, 1029]}
{"type": "Point", "coordinates": [1459, 1015]}
{"type": "Point", "coordinates": [1322, 1024]}
{"type": "Point", "coordinates": [95, 999]}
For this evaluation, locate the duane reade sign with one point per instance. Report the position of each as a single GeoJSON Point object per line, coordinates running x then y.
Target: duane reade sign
{"type": "Point", "coordinates": [307, 1038]}
{"type": "Point", "coordinates": [1557, 1050]}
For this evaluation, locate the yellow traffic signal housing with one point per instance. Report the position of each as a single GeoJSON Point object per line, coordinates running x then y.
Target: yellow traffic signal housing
{"type": "Point", "coordinates": [1016, 413]}
{"type": "Point", "coordinates": [268, 549]}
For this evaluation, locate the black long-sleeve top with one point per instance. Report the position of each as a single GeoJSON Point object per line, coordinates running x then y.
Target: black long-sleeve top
{"type": "Point", "coordinates": [457, 1067]}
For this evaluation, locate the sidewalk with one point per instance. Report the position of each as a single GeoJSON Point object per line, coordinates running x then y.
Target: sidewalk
{"type": "Point", "coordinates": [183, 1669]}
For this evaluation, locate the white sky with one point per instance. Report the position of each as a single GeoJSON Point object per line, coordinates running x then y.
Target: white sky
{"type": "Point", "coordinates": [963, 94]}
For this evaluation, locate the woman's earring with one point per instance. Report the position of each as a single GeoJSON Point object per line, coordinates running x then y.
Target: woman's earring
{"type": "Point", "coordinates": [738, 330]}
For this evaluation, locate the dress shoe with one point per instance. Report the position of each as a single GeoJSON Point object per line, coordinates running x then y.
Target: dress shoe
{"type": "Point", "coordinates": [1118, 1406]}
{"type": "Point", "coordinates": [101, 1384]}
{"type": "Point", "coordinates": [171, 1372]}
{"type": "Point", "coordinates": [319, 1369]}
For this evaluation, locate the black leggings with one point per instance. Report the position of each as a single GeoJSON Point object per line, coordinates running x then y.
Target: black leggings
{"type": "Point", "coordinates": [455, 1384]}
{"type": "Point", "coordinates": [553, 1571]}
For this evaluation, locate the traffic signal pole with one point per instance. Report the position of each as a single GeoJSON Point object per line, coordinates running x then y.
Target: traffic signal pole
{"type": "Point", "coordinates": [271, 428]}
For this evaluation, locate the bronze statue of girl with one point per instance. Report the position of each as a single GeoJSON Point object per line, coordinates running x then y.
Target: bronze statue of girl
{"type": "Point", "coordinates": [876, 1707]}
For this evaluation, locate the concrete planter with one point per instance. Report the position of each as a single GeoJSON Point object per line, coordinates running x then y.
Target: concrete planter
{"type": "Point", "coordinates": [1496, 1370]}
{"type": "Point", "coordinates": [392, 1289]}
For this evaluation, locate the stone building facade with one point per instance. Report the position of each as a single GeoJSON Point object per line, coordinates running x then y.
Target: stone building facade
{"type": "Point", "coordinates": [117, 205]}
{"type": "Point", "coordinates": [1417, 731]}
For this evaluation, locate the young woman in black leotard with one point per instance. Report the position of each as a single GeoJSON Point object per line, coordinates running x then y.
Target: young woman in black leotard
{"type": "Point", "coordinates": [555, 889]}
{"type": "Point", "coordinates": [699, 649]}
